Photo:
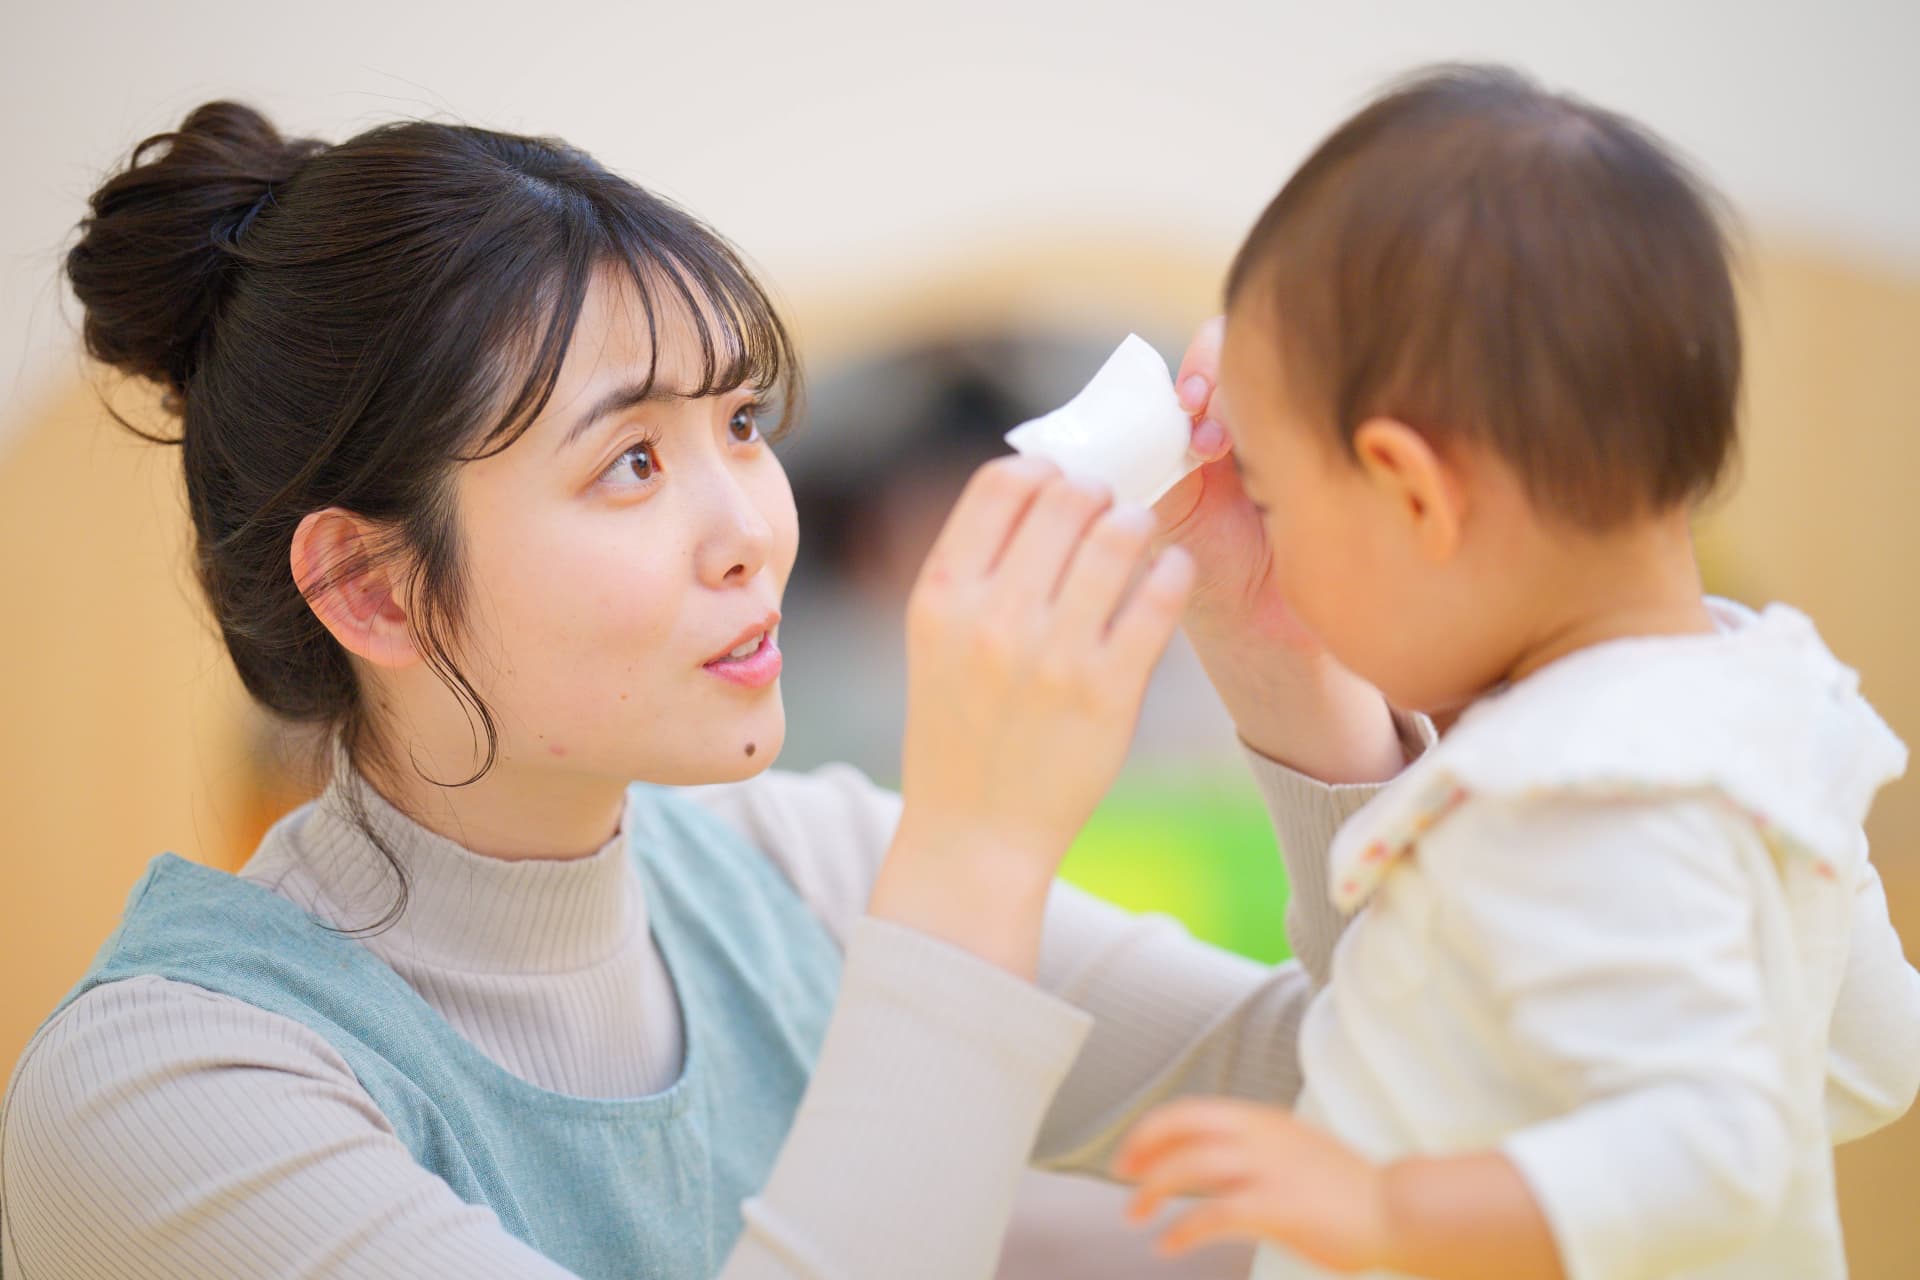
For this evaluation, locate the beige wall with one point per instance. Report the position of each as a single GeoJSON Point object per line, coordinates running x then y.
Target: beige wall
{"type": "Point", "coordinates": [1825, 517]}
{"type": "Point", "coordinates": [125, 733]}
{"type": "Point", "coordinates": [121, 726]}
{"type": "Point", "coordinates": [855, 139]}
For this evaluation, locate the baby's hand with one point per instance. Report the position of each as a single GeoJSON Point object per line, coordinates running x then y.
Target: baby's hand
{"type": "Point", "coordinates": [1210, 515]}
{"type": "Point", "coordinates": [1264, 1175]}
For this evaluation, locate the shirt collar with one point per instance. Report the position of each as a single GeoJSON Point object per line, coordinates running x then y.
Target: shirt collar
{"type": "Point", "coordinates": [1759, 714]}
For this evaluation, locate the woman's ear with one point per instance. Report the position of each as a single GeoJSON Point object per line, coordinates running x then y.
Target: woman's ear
{"type": "Point", "coordinates": [1418, 483]}
{"type": "Point", "coordinates": [357, 594]}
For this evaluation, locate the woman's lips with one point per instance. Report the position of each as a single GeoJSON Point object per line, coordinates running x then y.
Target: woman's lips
{"type": "Point", "coordinates": [755, 671]}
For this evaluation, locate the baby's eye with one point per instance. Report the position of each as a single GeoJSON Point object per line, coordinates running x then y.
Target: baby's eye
{"type": "Point", "coordinates": [637, 465]}
{"type": "Point", "coordinates": [744, 426]}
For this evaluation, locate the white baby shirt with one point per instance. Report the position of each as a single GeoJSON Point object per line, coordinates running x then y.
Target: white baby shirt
{"type": "Point", "coordinates": [1620, 924]}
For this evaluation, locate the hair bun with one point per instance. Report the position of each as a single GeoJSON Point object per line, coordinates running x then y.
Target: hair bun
{"type": "Point", "coordinates": [160, 239]}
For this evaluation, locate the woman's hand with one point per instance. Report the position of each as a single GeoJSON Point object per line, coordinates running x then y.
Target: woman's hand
{"type": "Point", "coordinates": [1031, 633]}
{"type": "Point", "coordinates": [1289, 698]}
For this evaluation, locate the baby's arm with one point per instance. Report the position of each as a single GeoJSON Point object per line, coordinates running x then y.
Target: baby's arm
{"type": "Point", "coordinates": [1873, 1051]}
{"type": "Point", "coordinates": [1621, 943]}
{"type": "Point", "coordinates": [1625, 943]}
{"type": "Point", "coordinates": [1273, 1177]}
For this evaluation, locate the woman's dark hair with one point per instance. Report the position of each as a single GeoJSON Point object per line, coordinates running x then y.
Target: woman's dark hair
{"type": "Point", "coordinates": [342, 326]}
{"type": "Point", "coordinates": [1478, 257]}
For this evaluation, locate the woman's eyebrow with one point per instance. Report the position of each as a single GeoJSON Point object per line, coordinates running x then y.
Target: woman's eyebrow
{"type": "Point", "coordinates": [622, 397]}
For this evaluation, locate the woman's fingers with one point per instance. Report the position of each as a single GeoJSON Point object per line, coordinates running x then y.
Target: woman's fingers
{"type": "Point", "coordinates": [1146, 621]}
{"type": "Point", "coordinates": [985, 517]}
{"type": "Point", "coordinates": [1036, 557]}
{"type": "Point", "coordinates": [1019, 707]}
{"type": "Point", "coordinates": [1097, 579]}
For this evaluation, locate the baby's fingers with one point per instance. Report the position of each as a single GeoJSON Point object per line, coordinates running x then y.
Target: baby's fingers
{"type": "Point", "coordinates": [1195, 383]}
{"type": "Point", "coordinates": [1174, 1125]}
{"type": "Point", "coordinates": [1210, 440]}
{"type": "Point", "coordinates": [1200, 366]}
{"type": "Point", "coordinates": [1208, 1167]}
{"type": "Point", "coordinates": [1234, 1218]}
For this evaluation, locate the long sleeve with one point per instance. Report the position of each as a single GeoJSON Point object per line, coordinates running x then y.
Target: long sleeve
{"type": "Point", "coordinates": [828, 830]}
{"type": "Point", "coordinates": [1625, 946]}
{"type": "Point", "coordinates": [1171, 1015]}
{"type": "Point", "coordinates": [1873, 1053]}
{"type": "Point", "coordinates": [159, 1130]}
{"type": "Point", "coordinates": [913, 1135]}
{"type": "Point", "coordinates": [1306, 813]}
{"type": "Point", "coordinates": [156, 1129]}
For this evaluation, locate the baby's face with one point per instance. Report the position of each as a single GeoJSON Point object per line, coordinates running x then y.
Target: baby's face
{"type": "Point", "coordinates": [1349, 560]}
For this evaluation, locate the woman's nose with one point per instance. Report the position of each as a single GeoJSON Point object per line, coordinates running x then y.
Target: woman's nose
{"type": "Point", "coordinates": [737, 539]}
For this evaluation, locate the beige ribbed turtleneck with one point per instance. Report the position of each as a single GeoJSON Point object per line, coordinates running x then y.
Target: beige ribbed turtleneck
{"type": "Point", "coordinates": [158, 1129]}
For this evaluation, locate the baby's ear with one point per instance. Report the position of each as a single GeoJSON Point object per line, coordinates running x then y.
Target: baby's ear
{"type": "Point", "coordinates": [1416, 481]}
{"type": "Point", "coordinates": [341, 564]}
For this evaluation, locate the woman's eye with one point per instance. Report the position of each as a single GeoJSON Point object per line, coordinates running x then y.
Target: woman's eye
{"type": "Point", "coordinates": [744, 426]}
{"type": "Point", "coordinates": [637, 465]}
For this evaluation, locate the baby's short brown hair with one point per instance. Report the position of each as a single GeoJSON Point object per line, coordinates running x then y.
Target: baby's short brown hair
{"type": "Point", "coordinates": [1482, 259]}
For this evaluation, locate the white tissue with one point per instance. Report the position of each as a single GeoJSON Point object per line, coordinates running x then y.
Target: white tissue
{"type": "Point", "coordinates": [1125, 429]}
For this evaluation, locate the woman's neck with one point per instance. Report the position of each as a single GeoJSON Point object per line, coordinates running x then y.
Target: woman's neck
{"type": "Point", "coordinates": [511, 812]}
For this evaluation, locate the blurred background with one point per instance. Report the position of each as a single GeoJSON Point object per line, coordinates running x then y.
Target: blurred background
{"type": "Point", "coordinates": [962, 209]}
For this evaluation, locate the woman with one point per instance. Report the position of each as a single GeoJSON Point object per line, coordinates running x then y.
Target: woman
{"type": "Point", "coordinates": [472, 438]}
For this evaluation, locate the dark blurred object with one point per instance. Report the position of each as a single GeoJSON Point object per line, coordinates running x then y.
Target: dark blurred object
{"type": "Point", "coordinates": [892, 433]}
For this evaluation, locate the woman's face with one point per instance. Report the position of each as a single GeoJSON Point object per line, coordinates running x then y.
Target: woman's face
{"type": "Point", "coordinates": [617, 554]}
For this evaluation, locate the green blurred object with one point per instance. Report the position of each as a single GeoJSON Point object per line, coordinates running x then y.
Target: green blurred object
{"type": "Point", "coordinates": [1196, 848]}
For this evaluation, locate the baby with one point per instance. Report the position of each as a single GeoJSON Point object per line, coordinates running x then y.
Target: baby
{"type": "Point", "coordinates": [1619, 972]}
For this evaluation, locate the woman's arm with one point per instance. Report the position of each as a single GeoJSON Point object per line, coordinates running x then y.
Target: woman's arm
{"type": "Point", "coordinates": [158, 1129]}
{"type": "Point", "coordinates": [1306, 812]}
{"type": "Point", "coordinates": [1171, 1014]}
{"type": "Point", "coordinates": [906, 1152]}
{"type": "Point", "coordinates": [1175, 1016]}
